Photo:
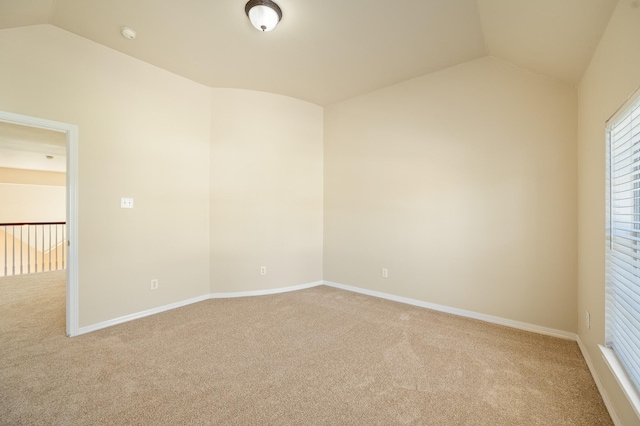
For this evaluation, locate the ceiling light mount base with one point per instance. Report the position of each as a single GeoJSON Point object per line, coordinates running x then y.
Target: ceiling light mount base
{"type": "Point", "coordinates": [128, 33]}
{"type": "Point", "coordinates": [263, 14]}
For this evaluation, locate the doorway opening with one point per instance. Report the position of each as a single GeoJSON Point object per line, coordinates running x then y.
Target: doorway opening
{"type": "Point", "coordinates": [55, 254]}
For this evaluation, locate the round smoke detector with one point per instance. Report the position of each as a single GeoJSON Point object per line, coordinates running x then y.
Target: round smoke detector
{"type": "Point", "coordinates": [128, 33]}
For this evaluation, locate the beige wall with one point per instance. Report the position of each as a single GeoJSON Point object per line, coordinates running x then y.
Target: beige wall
{"type": "Point", "coordinates": [34, 177]}
{"type": "Point", "coordinates": [266, 191]}
{"type": "Point", "coordinates": [32, 203]}
{"type": "Point", "coordinates": [143, 133]}
{"type": "Point", "coordinates": [32, 196]}
{"type": "Point", "coordinates": [192, 161]}
{"type": "Point", "coordinates": [463, 184]}
{"type": "Point", "coordinates": [613, 75]}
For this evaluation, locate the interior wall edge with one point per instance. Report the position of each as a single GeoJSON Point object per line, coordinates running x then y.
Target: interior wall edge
{"type": "Point", "coordinates": [611, 77]}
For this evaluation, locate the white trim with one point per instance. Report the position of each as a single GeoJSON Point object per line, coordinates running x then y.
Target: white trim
{"type": "Point", "coordinates": [630, 100]}
{"type": "Point", "coordinates": [622, 378]}
{"type": "Point", "coordinates": [159, 309]}
{"type": "Point", "coordinates": [263, 292]}
{"type": "Point", "coordinates": [599, 385]}
{"type": "Point", "coordinates": [460, 312]}
{"type": "Point", "coordinates": [138, 315]}
{"type": "Point", "coordinates": [31, 184]}
{"type": "Point", "coordinates": [73, 321]}
{"type": "Point", "coordinates": [71, 130]}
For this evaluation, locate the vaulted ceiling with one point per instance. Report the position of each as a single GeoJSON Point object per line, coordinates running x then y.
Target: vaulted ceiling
{"type": "Point", "coordinates": [324, 51]}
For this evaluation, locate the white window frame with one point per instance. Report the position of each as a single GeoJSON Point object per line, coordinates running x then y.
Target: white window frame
{"type": "Point", "coordinates": [612, 360]}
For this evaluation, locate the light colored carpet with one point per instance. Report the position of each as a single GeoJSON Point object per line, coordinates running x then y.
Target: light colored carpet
{"type": "Point", "coordinates": [320, 356]}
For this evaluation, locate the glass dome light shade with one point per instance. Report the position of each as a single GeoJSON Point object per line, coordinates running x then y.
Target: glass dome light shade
{"type": "Point", "coordinates": [263, 14]}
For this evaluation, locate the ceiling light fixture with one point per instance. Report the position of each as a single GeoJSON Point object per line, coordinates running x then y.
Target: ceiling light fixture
{"type": "Point", "coordinates": [263, 14]}
{"type": "Point", "coordinates": [128, 33]}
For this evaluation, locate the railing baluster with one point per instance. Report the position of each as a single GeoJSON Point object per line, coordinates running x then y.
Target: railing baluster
{"type": "Point", "coordinates": [21, 250]}
{"type": "Point", "coordinates": [41, 243]}
{"type": "Point", "coordinates": [42, 269]}
{"type": "Point", "coordinates": [35, 249]}
{"type": "Point", "coordinates": [5, 250]}
{"type": "Point", "coordinates": [64, 245]}
{"type": "Point", "coordinates": [28, 249]}
{"type": "Point", "coordinates": [13, 250]}
{"type": "Point", "coordinates": [49, 247]}
{"type": "Point", "coordinates": [57, 247]}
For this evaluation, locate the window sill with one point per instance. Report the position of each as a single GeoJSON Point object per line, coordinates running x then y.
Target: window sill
{"type": "Point", "coordinates": [621, 376]}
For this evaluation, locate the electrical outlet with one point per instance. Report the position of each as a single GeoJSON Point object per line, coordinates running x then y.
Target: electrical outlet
{"type": "Point", "coordinates": [587, 319]}
{"type": "Point", "coordinates": [126, 203]}
{"type": "Point", "coordinates": [385, 273]}
{"type": "Point", "coordinates": [154, 284]}
{"type": "Point", "coordinates": [263, 270]}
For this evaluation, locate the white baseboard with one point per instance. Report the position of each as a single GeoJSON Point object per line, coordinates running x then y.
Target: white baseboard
{"type": "Point", "coordinates": [460, 312]}
{"type": "Point", "coordinates": [159, 309]}
{"type": "Point", "coordinates": [406, 300]}
{"type": "Point", "coordinates": [138, 315]}
{"type": "Point", "coordinates": [601, 389]}
{"type": "Point", "coordinates": [264, 292]}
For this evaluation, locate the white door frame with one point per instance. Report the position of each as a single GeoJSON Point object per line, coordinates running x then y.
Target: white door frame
{"type": "Point", "coordinates": [71, 130]}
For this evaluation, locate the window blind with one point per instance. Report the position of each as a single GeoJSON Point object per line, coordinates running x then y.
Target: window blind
{"type": "Point", "coordinates": [623, 240]}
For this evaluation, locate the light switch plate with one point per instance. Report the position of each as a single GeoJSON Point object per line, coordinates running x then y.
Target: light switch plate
{"type": "Point", "coordinates": [126, 203]}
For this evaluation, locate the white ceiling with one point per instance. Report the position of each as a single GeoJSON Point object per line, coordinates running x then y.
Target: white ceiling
{"type": "Point", "coordinates": [325, 51]}
{"type": "Point", "coordinates": [24, 147]}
